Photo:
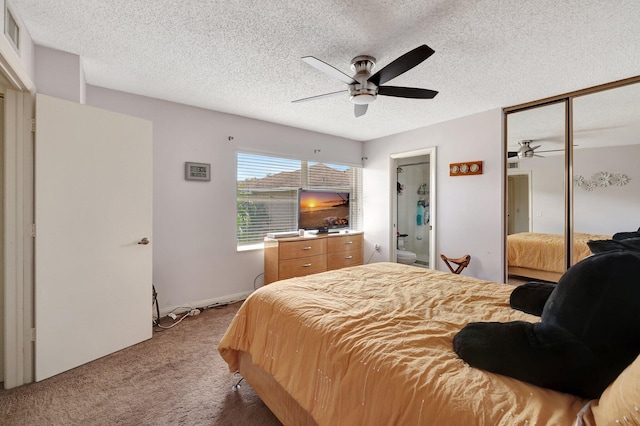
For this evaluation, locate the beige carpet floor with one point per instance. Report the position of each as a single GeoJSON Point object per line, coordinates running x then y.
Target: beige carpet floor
{"type": "Point", "coordinates": [175, 378]}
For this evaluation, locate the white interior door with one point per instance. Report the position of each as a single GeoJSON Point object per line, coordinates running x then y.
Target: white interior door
{"type": "Point", "coordinates": [93, 204]}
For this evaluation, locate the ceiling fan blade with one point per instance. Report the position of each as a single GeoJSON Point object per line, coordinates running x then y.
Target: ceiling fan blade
{"type": "Point", "coordinates": [511, 154]}
{"type": "Point", "coordinates": [407, 92]}
{"type": "Point", "coordinates": [360, 110]}
{"type": "Point", "coordinates": [326, 95]}
{"type": "Point", "coordinates": [328, 69]}
{"type": "Point", "coordinates": [401, 65]}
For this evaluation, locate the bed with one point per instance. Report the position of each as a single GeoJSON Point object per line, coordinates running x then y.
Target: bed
{"type": "Point", "coordinates": [372, 345]}
{"type": "Point", "coordinates": [541, 256]}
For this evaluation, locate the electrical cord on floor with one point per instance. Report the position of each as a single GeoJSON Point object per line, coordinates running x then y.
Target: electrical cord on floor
{"type": "Point", "coordinates": [188, 312]}
{"type": "Point", "coordinates": [371, 257]}
{"type": "Point", "coordinates": [164, 327]}
{"type": "Point", "coordinates": [154, 301]}
{"type": "Point", "coordinates": [220, 305]}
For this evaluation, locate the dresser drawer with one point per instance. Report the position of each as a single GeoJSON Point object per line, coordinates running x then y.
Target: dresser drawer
{"type": "Point", "coordinates": [344, 242]}
{"type": "Point", "coordinates": [344, 259]}
{"type": "Point", "coordinates": [294, 257]}
{"type": "Point", "coordinates": [302, 248]}
{"type": "Point", "coordinates": [290, 268]}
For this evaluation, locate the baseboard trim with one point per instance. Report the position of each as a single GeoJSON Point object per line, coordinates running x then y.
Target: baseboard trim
{"type": "Point", "coordinates": [230, 298]}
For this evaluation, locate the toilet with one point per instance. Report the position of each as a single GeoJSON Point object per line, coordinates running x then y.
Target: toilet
{"type": "Point", "coordinates": [406, 257]}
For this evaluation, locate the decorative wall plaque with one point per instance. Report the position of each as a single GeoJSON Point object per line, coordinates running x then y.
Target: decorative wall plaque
{"type": "Point", "coordinates": [466, 168]}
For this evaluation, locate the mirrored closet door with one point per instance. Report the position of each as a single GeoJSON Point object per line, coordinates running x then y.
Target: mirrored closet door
{"type": "Point", "coordinates": [570, 177]}
{"type": "Point", "coordinates": [536, 161]}
{"type": "Point", "coordinates": [606, 176]}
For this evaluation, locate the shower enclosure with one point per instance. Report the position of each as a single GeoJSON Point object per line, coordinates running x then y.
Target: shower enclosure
{"type": "Point", "coordinates": [413, 209]}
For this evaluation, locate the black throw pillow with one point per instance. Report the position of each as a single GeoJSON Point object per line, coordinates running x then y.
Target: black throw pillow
{"type": "Point", "coordinates": [531, 297]}
{"type": "Point", "coordinates": [599, 246]}
{"type": "Point", "coordinates": [625, 235]}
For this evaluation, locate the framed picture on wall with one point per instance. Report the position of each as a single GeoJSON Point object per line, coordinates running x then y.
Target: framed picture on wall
{"type": "Point", "coordinates": [197, 171]}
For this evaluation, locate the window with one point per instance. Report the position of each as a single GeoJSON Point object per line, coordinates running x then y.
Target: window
{"type": "Point", "coordinates": [267, 192]}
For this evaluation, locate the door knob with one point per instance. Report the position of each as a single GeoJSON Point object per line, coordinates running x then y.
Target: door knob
{"type": "Point", "coordinates": [144, 241]}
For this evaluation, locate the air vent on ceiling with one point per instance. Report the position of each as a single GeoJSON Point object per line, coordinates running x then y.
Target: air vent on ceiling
{"type": "Point", "coordinates": [11, 29]}
{"type": "Point", "coordinates": [513, 165]}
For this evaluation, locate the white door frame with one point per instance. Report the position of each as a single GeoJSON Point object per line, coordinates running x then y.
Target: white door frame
{"type": "Point", "coordinates": [18, 219]}
{"type": "Point", "coordinates": [393, 165]}
{"type": "Point", "coordinates": [529, 189]}
{"type": "Point", "coordinates": [18, 243]}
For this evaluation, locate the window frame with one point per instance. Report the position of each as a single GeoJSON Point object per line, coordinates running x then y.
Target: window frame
{"type": "Point", "coordinates": [309, 173]}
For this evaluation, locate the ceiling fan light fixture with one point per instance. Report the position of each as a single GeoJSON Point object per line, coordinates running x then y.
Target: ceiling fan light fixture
{"type": "Point", "coordinates": [525, 153]}
{"type": "Point", "coordinates": [526, 150]}
{"type": "Point", "coordinates": [363, 98]}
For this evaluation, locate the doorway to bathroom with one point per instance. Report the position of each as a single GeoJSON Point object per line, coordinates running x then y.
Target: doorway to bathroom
{"type": "Point", "coordinates": [413, 201]}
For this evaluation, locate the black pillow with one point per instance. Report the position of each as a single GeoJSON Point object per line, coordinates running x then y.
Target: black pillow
{"type": "Point", "coordinates": [600, 246]}
{"type": "Point", "coordinates": [531, 297]}
{"type": "Point", "coordinates": [624, 235]}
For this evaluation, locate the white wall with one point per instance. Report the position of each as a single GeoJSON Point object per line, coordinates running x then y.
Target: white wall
{"type": "Point", "coordinates": [611, 209]}
{"type": "Point", "coordinates": [59, 74]}
{"type": "Point", "coordinates": [605, 210]}
{"type": "Point", "coordinates": [469, 211]}
{"type": "Point", "coordinates": [194, 238]}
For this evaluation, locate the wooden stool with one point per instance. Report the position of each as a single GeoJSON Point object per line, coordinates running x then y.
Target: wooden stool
{"type": "Point", "coordinates": [462, 262]}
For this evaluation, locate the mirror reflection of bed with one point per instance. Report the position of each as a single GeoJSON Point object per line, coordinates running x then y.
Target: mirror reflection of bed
{"type": "Point", "coordinates": [605, 184]}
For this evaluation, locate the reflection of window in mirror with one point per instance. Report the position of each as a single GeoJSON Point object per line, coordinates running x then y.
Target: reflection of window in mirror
{"type": "Point", "coordinates": [536, 193]}
{"type": "Point", "coordinates": [606, 153]}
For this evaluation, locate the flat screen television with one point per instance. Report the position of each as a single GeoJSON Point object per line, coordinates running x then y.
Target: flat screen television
{"type": "Point", "coordinates": [323, 211]}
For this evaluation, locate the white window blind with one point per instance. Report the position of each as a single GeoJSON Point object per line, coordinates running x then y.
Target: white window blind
{"type": "Point", "coordinates": [267, 192]}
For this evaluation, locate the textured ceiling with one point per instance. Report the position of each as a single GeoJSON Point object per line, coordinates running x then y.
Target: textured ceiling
{"type": "Point", "coordinates": [243, 57]}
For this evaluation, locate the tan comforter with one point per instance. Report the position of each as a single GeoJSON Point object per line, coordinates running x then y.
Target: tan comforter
{"type": "Point", "coordinates": [545, 252]}
{"type": "Point", "coordinates": [372, 345]}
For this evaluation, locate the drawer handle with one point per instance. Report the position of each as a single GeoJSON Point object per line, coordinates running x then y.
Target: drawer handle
{"type": "Point", "coordinates": [348, 242]}
{"type": "Point", "coordinates": [306, 265]}
{"type": "Point", "coordinates": [348, 257]}
{"type": "Point", "coordinates": [306, 248]}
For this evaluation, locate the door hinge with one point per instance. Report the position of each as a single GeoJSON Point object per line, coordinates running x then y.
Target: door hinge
{"type": "Point", "coordinates": [33, 335]}
{"type": "Point", "coordinates": [33, 125]}
{"type": "Point", "coordinates": [33, 230]}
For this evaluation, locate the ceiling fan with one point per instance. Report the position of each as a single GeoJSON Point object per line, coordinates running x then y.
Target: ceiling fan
{"type": "Point", "coordinates": [364, 87]}
{"type": "Point", "coordinates": [528, 151]}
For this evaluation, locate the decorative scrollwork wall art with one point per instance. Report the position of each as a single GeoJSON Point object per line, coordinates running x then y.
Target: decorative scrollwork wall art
{"type": "Point", "coordinates": [601, 180]}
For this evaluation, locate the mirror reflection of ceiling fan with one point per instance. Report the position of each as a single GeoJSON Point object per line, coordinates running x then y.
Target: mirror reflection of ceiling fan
{"type": "Point", "coordinates": [364, 87]}
{"type": "Point", "coordinates": [528, 151]}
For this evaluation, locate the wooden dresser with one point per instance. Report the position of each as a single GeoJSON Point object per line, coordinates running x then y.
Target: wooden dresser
{"type": "Point", "coordinates": [294, 257]}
